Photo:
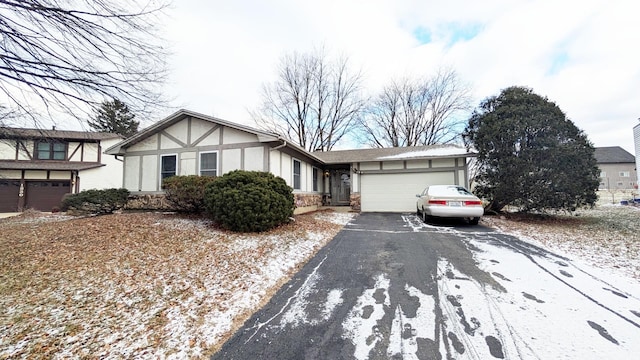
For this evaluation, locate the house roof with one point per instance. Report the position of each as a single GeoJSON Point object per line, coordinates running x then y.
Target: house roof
{"type": "Point", "coordinates": [395, 153]}
{"type": "Point", "coordinates": [21, 133]}
{"type": "Point", "coordinates": [263, 136]}
{"type": "Point", "coordinates": [46, 165]}
{"type": "Point", "coordinates": [329, 157]}
{"type": "Point", "coordinates": [613, 155]}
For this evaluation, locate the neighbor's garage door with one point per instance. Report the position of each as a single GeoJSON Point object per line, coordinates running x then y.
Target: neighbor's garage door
{"type": "Point", "coordinates": [9, 195]}
{"type": "Point", "coordinates": [397, 192]}
{"type": "Point", "coordinates": [46, 195]}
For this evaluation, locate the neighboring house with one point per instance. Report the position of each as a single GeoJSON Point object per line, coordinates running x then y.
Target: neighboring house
{"type": "Point", "coordinates": [38, 167]}
{"type": "Point", "coordinates": [188, 143]}
{"type": "Point", "coordinates": [617, 168]}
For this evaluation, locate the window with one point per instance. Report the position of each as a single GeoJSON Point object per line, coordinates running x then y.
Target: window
{"type": "Point", "coordinates": [46, 150]}
{"type": "Point", "coordinates": [624, 174]}
{"type": "Point", "coordinates": [620, 184]}
{"type": "Point", "coordinates": [315, 179]}
{"type": "Point", "coordinates": [603, 174]}
{"type": "Point", "coordinates": [208, 164]}
{"type": "Point", "coordinates": [296, 174]}
{"type": "Point", "coordinates": [168, 166]}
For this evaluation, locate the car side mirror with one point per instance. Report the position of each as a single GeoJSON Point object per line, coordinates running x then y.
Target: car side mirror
{"type": "Point", "coordinates": [418, 195]}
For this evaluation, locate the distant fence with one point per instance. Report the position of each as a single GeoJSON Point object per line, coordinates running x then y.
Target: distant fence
{"type": "Point", "coordinates": [615, 196]}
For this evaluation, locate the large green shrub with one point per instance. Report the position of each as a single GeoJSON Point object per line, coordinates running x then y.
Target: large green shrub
{"type": "Point", "coordinates": [249, 201]}
{"type": "Point", "coordinates": [96, 201]}
{"type": "Point", "coordinates": [186, 193]}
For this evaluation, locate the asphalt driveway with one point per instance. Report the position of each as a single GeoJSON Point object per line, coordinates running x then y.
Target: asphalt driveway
{"type": "Point", "coordinates": [391, 287]}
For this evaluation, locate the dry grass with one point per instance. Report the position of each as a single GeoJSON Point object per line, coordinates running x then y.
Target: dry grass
{"type": "Point", "coordinates": [143, 285]}
{"type": "Point", "coordinates": [606, 236]}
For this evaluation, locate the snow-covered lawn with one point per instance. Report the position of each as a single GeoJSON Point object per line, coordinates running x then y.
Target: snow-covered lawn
{"type": "Point", "coordinates": [140, 285]}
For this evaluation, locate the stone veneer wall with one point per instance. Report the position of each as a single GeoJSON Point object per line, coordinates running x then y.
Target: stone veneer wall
{"type": "Point", "coordinates": [304, 200]}
{"type": "Point", "coordinates": [148, 202]}
{"type": "Point", "coordinates": [355, 201]}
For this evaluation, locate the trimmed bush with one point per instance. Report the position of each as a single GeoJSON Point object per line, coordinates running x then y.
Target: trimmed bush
{"type": "Point", "coordinates": [186, 193]}
{"type": "Point", "coordinates": [249, 201]}
{"type": "Point", "coordinates": [96, 201]}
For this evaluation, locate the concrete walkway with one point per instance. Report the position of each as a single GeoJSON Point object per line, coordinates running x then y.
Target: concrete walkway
{"type": "Point", "coordinates": [6, 215]}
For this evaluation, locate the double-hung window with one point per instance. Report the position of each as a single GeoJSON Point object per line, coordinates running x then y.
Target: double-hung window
{"type": "Point", "coordinates": [624, 174]}
{"type": "Point", "coordinates": [168, 166]}
{"type": "Point", "coordinates": [46, 150]}
{"type": "Point", "coordinates": [208, 164]}
{"type": "Point", "coordinates": [296, 174]}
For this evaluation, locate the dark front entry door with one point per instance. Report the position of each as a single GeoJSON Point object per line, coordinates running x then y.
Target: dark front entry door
{"type": "Point", "coordinates": [340, 187]}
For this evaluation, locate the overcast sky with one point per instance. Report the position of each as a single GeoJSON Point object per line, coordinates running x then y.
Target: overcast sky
{"type": "Point", "coordinates": [583, 55]}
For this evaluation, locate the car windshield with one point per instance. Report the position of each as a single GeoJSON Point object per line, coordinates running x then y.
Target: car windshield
{"type": "Point", "coordinates": [449, 190]}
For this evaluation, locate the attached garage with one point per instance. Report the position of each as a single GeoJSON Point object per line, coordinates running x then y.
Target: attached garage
{"type": "Point", "coordinates": [9, 195]}
{"type": "Point", "coordinates": [46, 195]}
{"type": "Point", "coordinates": [388, 179]}
{"type": "Point", "coordinates": [397, 192]}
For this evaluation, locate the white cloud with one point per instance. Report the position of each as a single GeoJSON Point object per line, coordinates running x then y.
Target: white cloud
{"type": "Point", "coordinates": [583, 56]}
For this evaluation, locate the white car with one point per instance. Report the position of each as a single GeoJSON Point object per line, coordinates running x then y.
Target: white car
{"type": "Point", "coordinates": [449, 201]}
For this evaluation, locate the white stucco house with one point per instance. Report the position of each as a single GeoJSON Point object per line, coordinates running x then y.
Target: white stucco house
{"type": "Point", "coordinates": [188, 143]}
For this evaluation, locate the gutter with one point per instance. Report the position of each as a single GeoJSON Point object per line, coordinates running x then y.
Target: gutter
{"type": "Point", "coordinates": [284, 143]}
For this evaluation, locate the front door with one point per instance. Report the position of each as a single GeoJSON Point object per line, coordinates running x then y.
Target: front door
{"type": "Point", "coordinates": [340, 187]}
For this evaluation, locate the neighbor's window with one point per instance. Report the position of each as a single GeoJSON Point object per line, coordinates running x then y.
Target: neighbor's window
{"type": "Point", "coordinates": [46, 150]}
{"type": "Point", "coordinates": [624, 174]}
{"type": "Point", "coordinates": [296, 174]}
{"type": "Point", "coordinates": [209, 164]}
{"type": "Point", "coordinates": [603, 174]}
{"type": "Point", "coordinates": [168, 166]}
{"type": "Point", "coordinates": [315, 179]}
{"type": "Point", "coordinates": [620, 184]}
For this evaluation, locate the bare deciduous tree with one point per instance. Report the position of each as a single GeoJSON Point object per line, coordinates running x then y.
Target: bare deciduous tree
{"type": "Point", "coordinates": [314, 102]}
{"type": "Point", "coordinates": [417, 112]}
{"type": "Point", "coordinates": [68, 56]}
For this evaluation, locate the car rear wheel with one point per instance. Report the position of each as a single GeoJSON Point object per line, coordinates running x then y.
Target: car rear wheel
{"type": "Point", "coordinates": [425, 217]}
{"type": "Point", "coordinates": [474, 220]}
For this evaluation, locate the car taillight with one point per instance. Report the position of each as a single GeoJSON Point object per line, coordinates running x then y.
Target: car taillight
{"type": "Point", "coordinates": [472, 203]}
{"type": "Point", "coordinates": [437, 202]}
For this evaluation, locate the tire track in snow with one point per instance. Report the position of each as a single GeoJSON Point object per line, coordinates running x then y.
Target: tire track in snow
{"type": "Point", "coordinates": [566, 281]}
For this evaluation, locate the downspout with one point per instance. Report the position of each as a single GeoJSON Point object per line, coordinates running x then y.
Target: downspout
{"type": "Point", "coordinates": [284, 143]}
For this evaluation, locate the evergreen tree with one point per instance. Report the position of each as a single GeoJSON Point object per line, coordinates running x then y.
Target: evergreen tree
{"type": "Point", "coordinates": [115, 117]}
{"type": "Point", "coordinates": [530, 155]}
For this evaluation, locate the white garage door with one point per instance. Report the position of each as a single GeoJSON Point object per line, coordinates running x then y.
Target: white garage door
{"type": "Point", "coordinates": [397, 192]}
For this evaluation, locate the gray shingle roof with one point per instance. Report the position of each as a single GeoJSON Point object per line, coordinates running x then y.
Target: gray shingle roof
{"type": "Point", "coordinates": [612, 155]}
{"type": "Point", "coordinates": [46, 165]}
{"type": "Point", "coordinates": [19, 133]}
{"type": "Point", "coordinates": [396, 153]}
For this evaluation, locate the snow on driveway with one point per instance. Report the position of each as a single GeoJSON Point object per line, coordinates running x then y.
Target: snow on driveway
{"type": "Point", "coordinates": [544, 306]}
